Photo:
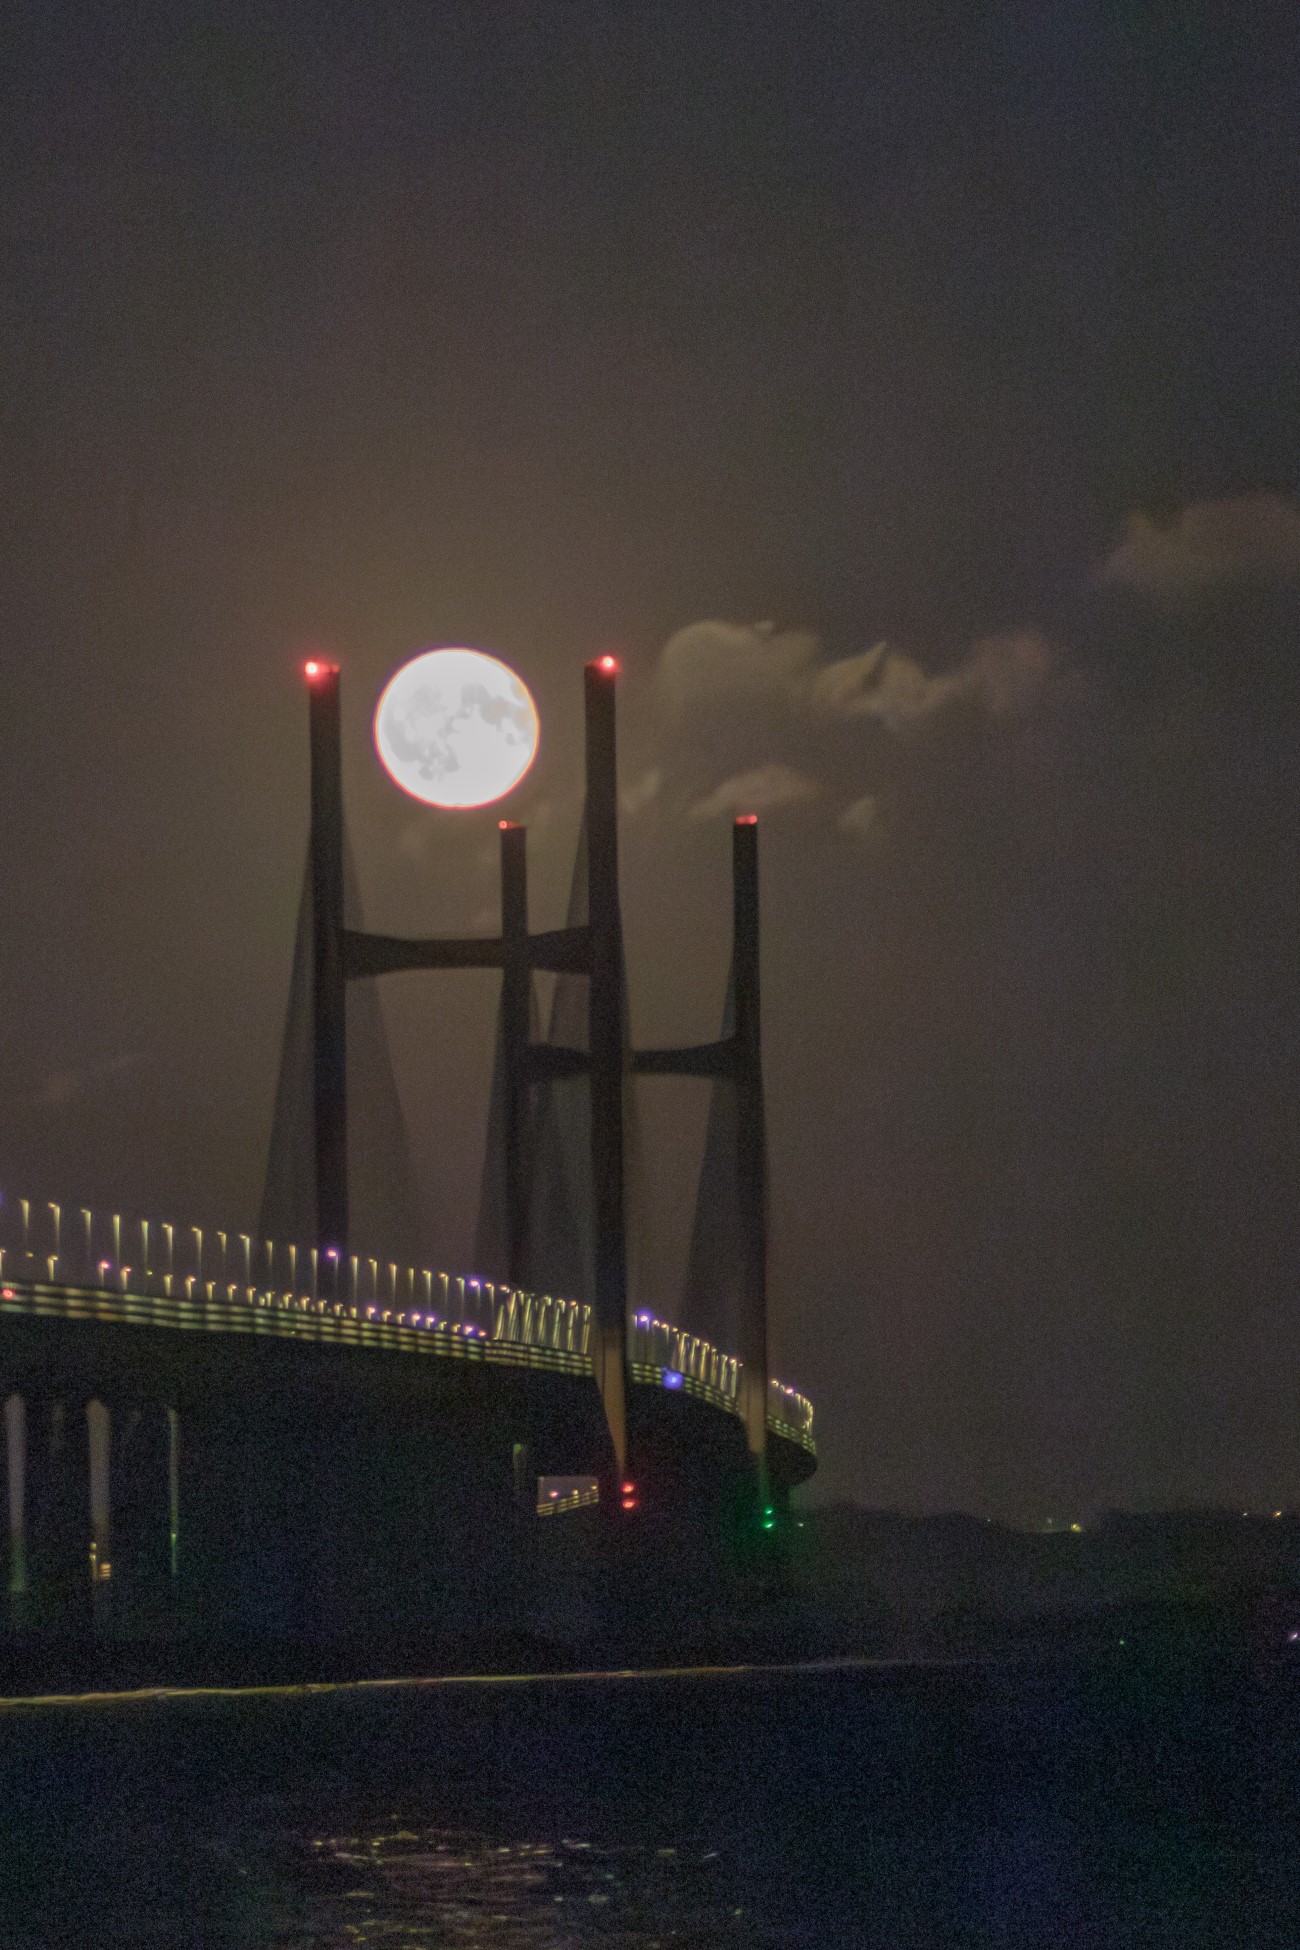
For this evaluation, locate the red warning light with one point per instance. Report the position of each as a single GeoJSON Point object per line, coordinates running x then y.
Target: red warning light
{"type": "Point", "coordinates": [747, 819]}
{"type": "Point", "coordinates": [629, 1503]}
{"type": "Point", "coordinates": [608, 664]}
{"type": "Point", "coordinates": [8, 1294]}
{"type": "Point", "coordinates": [629, 1489]}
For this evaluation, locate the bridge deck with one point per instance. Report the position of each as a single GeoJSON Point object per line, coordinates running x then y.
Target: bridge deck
{"type": "Point", "coordinates": [541, 1335]}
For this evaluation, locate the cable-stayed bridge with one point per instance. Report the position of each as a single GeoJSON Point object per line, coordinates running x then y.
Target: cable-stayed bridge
{"type": "Point", "coordinates": [273, 1433]}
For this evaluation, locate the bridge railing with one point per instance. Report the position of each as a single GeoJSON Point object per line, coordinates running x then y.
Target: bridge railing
{"type": "Point", "coordinates": [75, 1246]}
{"type": "Point", "coordinates": [538, 1320]}
{"type": "Point", "coordinates": [682, 1359]}
{"type": "Point", "coordinates": [72, 1246]}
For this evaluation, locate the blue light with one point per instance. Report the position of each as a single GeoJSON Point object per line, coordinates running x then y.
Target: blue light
{"type": "Point", "coordinates": [672, 1378]}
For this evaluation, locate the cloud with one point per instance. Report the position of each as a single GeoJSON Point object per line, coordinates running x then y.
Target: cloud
{"type": "Point", "coordinates": [721, 662]}
{"type": "Point", "coordinates": [860, 818]}
{"type": "Point", "coordinates": [760, 790]}
{"type": "Point", "coordinates": [1006, 674]}
{"type": "Point", "coordinates": [828, 728]}
{"type": "Point", "coordinates": [845, 728]}
{"type": "Point", "coordinates": [1001, 675]}
{"type": "Point", "coordinates": [736, 663]}
{"type": "Point", "coordinates": [635, 798]}
{"type": "Point", "coordinates": [1245, 538]}
{"type": "Point", "coordinates": [841, 686]}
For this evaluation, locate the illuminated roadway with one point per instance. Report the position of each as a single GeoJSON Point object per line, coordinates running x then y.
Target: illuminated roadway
{"type": "Point", "coordinates": [384, 1309]}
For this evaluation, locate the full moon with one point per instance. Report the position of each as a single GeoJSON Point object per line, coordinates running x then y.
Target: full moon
{"type": "Point", "coordinates": [455, 728]}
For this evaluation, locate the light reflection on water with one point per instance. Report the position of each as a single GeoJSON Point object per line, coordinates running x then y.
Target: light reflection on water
{"type": "Point", "coordinates": [435, 1887]}
{"type": "Point", "coordinates": [1097, 1808]}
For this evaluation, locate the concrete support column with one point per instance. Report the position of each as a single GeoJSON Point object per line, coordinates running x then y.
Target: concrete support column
{"type": "Point", "coordinates": [16, 1461]}
{"type": "Point", "coordinates": [58, 1473]}
{"type": "Point", "coordinates": [99, 1439]}
{"type": "Point", "coordinates": [174, 1494]}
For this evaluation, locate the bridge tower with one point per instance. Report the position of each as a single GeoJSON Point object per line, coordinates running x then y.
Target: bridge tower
{"type": "Point", "coordinates": [594, 948]}
{"type": "Point", "coordinates": [591, 947]}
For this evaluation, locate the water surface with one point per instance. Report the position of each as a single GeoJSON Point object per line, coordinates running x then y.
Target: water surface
{"type": "Point", "coordinates": [1023, 1805]}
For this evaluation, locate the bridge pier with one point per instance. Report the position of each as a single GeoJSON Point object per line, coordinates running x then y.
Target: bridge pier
{"type": "Point", "coordinates": [58, 1466]}
{"type": "Point", "coordinates": [173, 1495]}
{"type": "Point", "coordinates": [142, 1583]}
{"type": "Point", "coordinates": [93, 1515]}
{"type": "Point", "coordinates": [99, 1450]}
{"type": "Point", "coordinates": [16, 1470]}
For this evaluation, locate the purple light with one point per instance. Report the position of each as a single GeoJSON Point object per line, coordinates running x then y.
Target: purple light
{"type": "Point", "coordinates": [673, 1378]}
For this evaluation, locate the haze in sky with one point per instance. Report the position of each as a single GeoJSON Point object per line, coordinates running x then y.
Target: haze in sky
{"type": "Point", "coordinates": [909, 396]}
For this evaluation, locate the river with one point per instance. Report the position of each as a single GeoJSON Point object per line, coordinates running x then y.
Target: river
{"type": "Point", "coordinates": [1017, 1804]}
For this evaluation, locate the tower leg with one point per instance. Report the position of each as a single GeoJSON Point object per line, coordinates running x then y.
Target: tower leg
{"type": "Point", "coordinates": [329, 991]}
{"type": "Point", "coordinates": [607, 1054]}
{"type": "Point", "coordinates": [751, 1161]}
{"type": "Point", "coordinates": [515, 978]}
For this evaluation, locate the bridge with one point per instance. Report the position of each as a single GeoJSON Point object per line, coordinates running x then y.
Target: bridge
{"type": "Point", "coordinates": [270, 1434]}
{"type": "Point", "coordinates": [135, 1387]}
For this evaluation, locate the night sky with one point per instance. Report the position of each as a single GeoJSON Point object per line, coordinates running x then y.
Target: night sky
{"type": "Point", "coordinates": [910, 394]}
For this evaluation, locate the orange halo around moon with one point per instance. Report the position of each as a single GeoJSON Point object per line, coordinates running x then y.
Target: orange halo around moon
{"type": "Point", "coordinates": [456, 728]}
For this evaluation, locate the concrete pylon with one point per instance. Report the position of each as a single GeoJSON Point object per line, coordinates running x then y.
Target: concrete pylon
{"type": "Point", "coordinates": [751, 1142]}
{"type": "Point", "coordinates": [99, 1439]}
{"type": "Point", "coordinates": [329, 989]}
{"type": "Point", "coordinates": [173, 1494]}
{"type": "Point", "coordinates": [607, 1054]}
{"type": "Point", "coordinates": [16, 1461]}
